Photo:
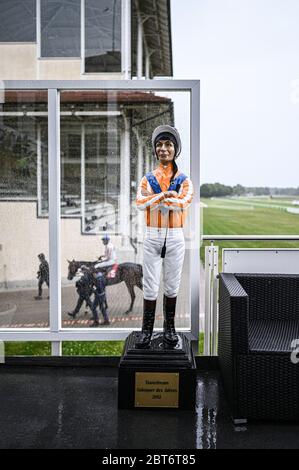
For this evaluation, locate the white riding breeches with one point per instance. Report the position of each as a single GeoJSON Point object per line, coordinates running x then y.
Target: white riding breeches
{"type": "Point", "coordinates": [104, 264]}
{"type": "Point", "coordinates": [172, 263]}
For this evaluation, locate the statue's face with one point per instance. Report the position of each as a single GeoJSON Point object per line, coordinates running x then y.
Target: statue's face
{"type": "Point", "coordinates": [165, 151]}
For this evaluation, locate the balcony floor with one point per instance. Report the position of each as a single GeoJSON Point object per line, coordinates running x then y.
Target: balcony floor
{"type": "Point", "coordinates": [76, 407]}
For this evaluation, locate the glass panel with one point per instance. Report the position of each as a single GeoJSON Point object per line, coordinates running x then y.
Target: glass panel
{"type": "Point", "coordinates": [60, 28]}
{"type": "Point", "coordinates": [106, 149]}
{"type": "Point", "coordinates": [102, 36]}
{"type": "Point", "coordinates": [24, 234]}
{"type": "Point", "coordinates": [17, 19]}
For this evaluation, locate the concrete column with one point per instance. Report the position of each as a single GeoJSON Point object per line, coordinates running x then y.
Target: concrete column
{"type": "Point", "coordinates": [140, 160]}
{"type": "Point", "coordinates": [39, 170]}
{"type": "Point", "coordinates": [125, 181]}
{"type": "Point", "coordinates": [126, 39]}
{"type": "Point", "coordinates": [140, 214]}
{"type": "Point", "coordinates": [83, 176]}
{"type": "Point", "coordinates": [148, 161]}
{"type": "Point", "coordinates": [139, 49]}
{"type": "Point", "coordinates": [147, 66]}
{"type": "Point", "coordinates": [112, 124]}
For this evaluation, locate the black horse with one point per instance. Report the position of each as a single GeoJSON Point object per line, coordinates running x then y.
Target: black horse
{"type": "Point", "coordinates": [130, 273]}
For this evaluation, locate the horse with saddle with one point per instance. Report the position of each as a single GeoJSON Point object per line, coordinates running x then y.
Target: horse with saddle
{"type": "Point", "coordinates": [129, 273]}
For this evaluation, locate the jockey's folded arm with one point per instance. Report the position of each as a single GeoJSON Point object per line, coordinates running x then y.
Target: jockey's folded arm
{"type": "Point", "coordinates": [182, 200]}
{"type": "Point", "coordinates": [146, 199]}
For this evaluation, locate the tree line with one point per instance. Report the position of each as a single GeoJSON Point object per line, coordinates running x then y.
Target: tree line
{"type": "Point", "coordinates": [221, 190]}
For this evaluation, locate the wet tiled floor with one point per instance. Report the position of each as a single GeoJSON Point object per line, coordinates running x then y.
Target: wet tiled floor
{"type": "Point", "coordinates": [68, 407]}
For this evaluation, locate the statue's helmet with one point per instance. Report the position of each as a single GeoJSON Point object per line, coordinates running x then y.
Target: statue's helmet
{"type": "Point", "coordinates": [166, 132]}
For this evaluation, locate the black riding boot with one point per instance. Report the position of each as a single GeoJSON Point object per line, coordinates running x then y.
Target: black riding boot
{"type": "Point", "coordinates": [149, 309]}
{"type": "Point", "coordinates": [169, 335]}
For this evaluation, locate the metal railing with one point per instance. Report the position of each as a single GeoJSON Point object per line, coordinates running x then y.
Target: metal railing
{"type": "Point", "coordinates": [211, 282]}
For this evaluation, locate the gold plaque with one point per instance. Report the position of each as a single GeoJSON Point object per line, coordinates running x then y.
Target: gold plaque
{"type": "Point", "coordinates": [157, 389]}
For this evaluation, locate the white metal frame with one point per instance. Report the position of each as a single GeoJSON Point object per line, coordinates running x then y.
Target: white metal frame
{"type": "Point", "coordinates": [211, 300]}
{"type": "Point", "coordinates": [82, 32]}
{"type": "Point", "coordinates": [55, 334]}
{"type": "Point", "coordinates": [38, 29]}
{"type": "Point", "coordinates": [261, 260]}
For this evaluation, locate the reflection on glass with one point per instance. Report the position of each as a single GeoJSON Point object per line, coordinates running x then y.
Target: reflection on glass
{"type": "Point", "coordinates": [24, 234]}
{"type": "Point", "coordinates": [106, 149]}
{"type": "Point", "coordinates": [17, 19]}
{"type": "Point", "coordinates": [60, 28]}
{"type": "Point", "coordinates": [102, 176]}
{"type": "Point", "coordinates": [102, 36]}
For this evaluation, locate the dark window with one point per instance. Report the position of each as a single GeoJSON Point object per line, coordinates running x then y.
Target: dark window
{"type": "Point", "coordinates": [17, 19]}
{"type": "Point", "coordinates": [102, 36]}
{"type": "Point", "coordinates": [60, 28]}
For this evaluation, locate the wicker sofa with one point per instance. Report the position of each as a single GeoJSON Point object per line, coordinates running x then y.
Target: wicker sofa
{"type": "Point", "coordinates": [258, 320]}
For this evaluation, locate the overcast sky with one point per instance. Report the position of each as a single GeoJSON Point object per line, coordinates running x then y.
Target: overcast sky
{"type": "Point", "coordinates": [246, 55]}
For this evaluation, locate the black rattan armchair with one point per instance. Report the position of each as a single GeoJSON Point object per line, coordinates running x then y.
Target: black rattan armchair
{"type": "Point", "coordinates": [258, 320]}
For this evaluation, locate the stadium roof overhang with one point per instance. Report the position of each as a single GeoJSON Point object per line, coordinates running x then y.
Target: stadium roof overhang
{"type": "Point", "coordinates": [156, 19]}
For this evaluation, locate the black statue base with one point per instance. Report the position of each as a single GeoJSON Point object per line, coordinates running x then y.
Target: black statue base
{"type": "Point", "coordinates": [157, 377]}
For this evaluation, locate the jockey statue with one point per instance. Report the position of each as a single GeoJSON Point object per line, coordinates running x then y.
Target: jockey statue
{"type": "Point", "coordinates": [164, 194]}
